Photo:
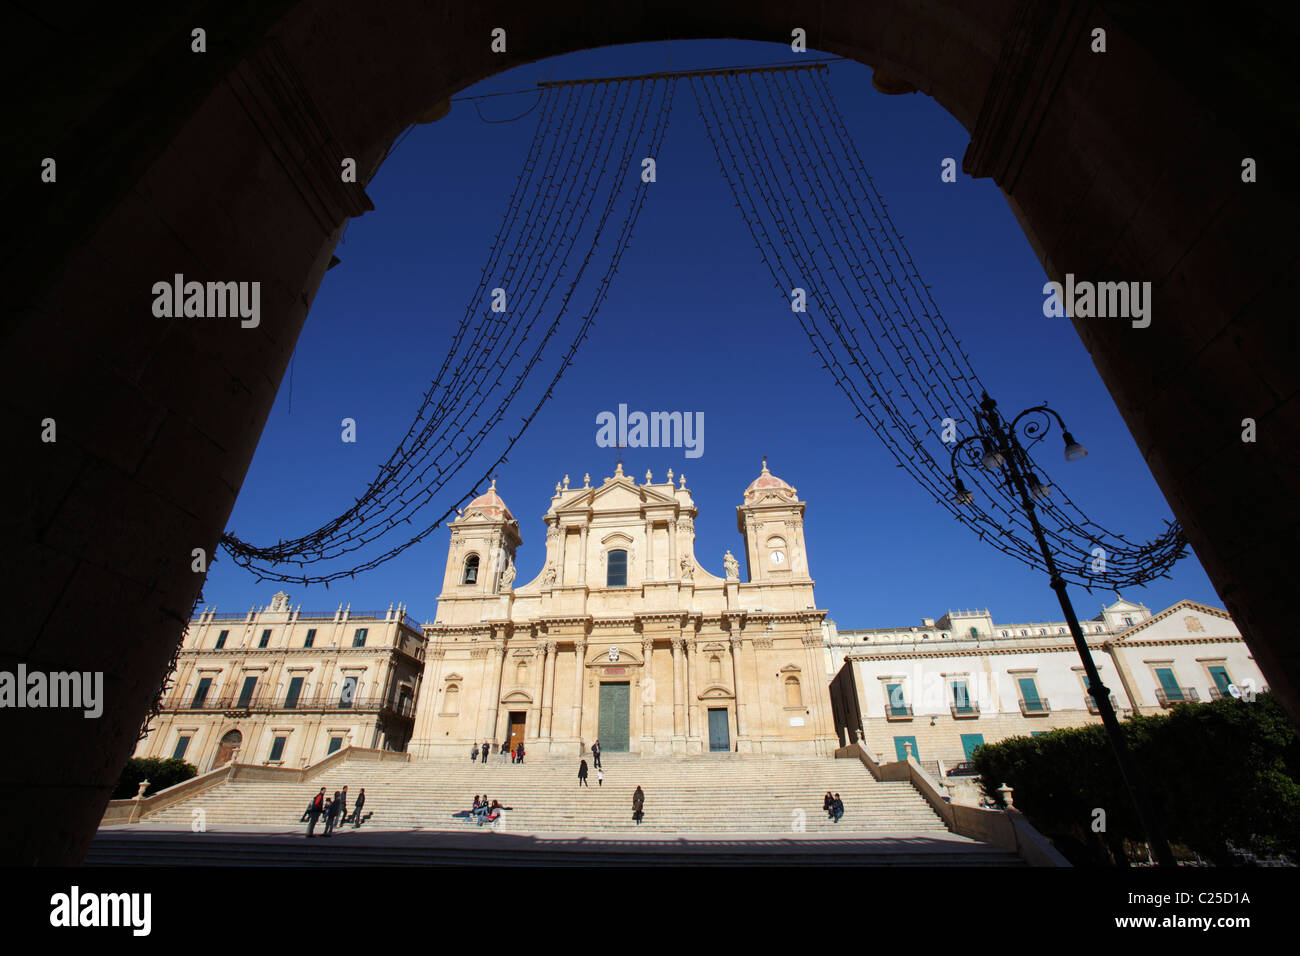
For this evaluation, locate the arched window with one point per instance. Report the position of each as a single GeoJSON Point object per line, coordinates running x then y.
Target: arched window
{"type": "Point", "coordinates": [521, 673]}
{"type": "Point", "coordinates": [616, 570]}
{"type": "Point", "coordinates": [792, 696]}
{"type": "Point", "coordinates": [715, 669]}
{"type": "Point", "coordinates": [451, 705]}
{"type": "Point", "coordinates": [471, 570]}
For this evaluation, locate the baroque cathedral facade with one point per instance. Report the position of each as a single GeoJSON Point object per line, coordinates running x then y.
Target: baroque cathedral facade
{"type": "Point", "coordinates": [624, 635]}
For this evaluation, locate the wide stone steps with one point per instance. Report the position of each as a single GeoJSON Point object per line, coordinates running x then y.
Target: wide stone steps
{"type": "Point", "coordinates": [739, 795]}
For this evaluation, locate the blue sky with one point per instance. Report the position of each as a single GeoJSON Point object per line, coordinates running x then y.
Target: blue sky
{"type": "Point", "coordinates": [692, 324]}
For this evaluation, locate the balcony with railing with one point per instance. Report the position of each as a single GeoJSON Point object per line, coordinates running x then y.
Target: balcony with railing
{"type": "Point", "coordinates": [897, 712]}
{"type": "Point", "coordinates": [1035, 707]}
{"type": "Point", "coordinates": [1092, 704]}
{"type": "Point", "coordinates": [266, 703]}
{"type": "Point", "coordinates": [1179, 695]}
{"type": "Point", "coordinates": [964, 711]}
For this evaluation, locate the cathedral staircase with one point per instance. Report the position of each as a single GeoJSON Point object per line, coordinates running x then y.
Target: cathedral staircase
{"type": "Point", "coordinates": [735, 799]}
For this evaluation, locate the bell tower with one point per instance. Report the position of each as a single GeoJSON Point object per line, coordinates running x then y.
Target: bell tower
{"type": "Point", "coordinates": [771, 521]}
{"type": "Point", "coordinates": [484, 538]}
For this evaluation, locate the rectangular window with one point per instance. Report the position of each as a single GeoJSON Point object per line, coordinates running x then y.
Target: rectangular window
{"type": "Point", "coordinates": [616, 574]}
{"type": "Point", "coordinates": [349, 692]}
{"type": "Point", "coordinates": [311, 637]}
{"type": "Point", "coordinates": [277, 748]}
{"type": "Point", "coordinates": [359, 637]}
{"type": "Point", "coordinates": [969, 742]}
{"type": "Point", "coordinates": [1221, 679]}
{"type": "Point", "coordinates": [201, 692]}
{"type": "Point", "coordinates": [266, 638]}
{"type": "Point", "coordinates": [295, 688]}
{"type": "Point", "coordinates": [961, 697]}
{"type": "Point", "coordinates": [246, 693]}
{"type": "Point", "coordinates": [221, 639]}
{"type": "Point", "coordinates": [182, 745]}
{"type": "Point", "coordinates": [1169, 683]}
{"type": "Point", "coordinates": [1029, 694]}
{"type": "Point", "coordinates": [335, 744]}
{"type": "Point", "coordinates": [897, 703]}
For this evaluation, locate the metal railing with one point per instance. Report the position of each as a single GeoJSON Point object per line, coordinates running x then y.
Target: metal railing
{"type": "Point", "coordinates": [265, 702]}
{"type": "Point", "coordinates": [969, 709]}
{"type": "Point", "coordinates": [1035, 708]}
{"type": "Point", "coordinates": [898, 713]}
{"type": "Point", "coordinates": [1092, 704]}
{"type": "Point", "coordinates": [1184, 695]}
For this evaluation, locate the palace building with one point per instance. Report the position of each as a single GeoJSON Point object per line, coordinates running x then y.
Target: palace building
{"type": "Point", "coordinates": [278, 687]}
{"type": "Point", "coordinates": [624, 634]}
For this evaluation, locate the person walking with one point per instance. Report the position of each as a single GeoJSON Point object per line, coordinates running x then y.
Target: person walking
{"type": "Point", "coordinates": [314, 811]}
{"type": "Point", "coordinates": [343, 807]}
{"type": "Point", "coordinates": [600, 776]}
{"type": "Point", "coordinates": [638, 805]}
{"type": "Point", "coordinates": [582, 774]}
{"type": "Point", "coordinates": [486, 748]}
{"type": "Point", "coordinates": [595, 753]}
{"type": "Point", "coordinates": [356, 814]}
{"type": "Point", "coordinates": [473, 752]}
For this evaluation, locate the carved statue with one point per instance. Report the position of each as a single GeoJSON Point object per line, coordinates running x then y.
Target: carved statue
{"type": "Point", "coordinates": [508, 575]}
{"type": "Point", "coordinates": [548, 576]}
{"type": "Point", "coordinates": [688, 569]}
{"type": "Point", "coordinates": [732, 565]}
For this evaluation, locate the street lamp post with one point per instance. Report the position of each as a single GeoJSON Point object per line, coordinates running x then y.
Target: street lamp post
{"type": "Point", "coordinates": [1001, 449]}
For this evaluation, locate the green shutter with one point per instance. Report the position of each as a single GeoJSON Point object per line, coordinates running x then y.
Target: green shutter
{"type": "Point", "coordinates": [961, 696]}
{"type": "Point", "coordinates": [277, 748]}
{"type": "Point", "coordinates": [295, 688]}
{"type": "Point", "coordinates": [896, 701]}
{"type": "Point", "coordinates": [246, 693]}
{"type": "Point", "coordinates": [969, 742]}
{"type": "Point", "coordinates": [1169, 683]}
{"type": "Point", "coordinates": [1221, 679]}
{"type": "Point", "coordinates": [1029, 691]}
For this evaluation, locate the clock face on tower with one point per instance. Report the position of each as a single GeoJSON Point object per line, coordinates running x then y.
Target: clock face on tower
{"type": "Point", "coordinates": [778, 557]}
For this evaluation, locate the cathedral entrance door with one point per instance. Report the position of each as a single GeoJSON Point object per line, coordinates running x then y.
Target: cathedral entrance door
{"type": "Point", "coordinates": [613, 729]}
{"type": "Point", "coordinates": [719, 735]}
{"type": "Point", "coordinates": [517, 718]}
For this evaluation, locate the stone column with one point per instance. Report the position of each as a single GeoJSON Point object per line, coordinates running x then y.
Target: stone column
{"type": "Point", "coordinates": [816, 695]}
{"type": "Point", "coordinates": [692, 665]}
{"type": "Point", "coordinates": [534, 728]}
{"type": "Point", "coordinates": [674, 570]}
{"type": "Point", "coordinates": [649, 693]}
{"type": "Point", "coordinates": [548, 692]}
{"type": "Point", "coordinates": [738, 680]}
{"type": "Point", "coordinates": [679, 689]}
{"type": "Point", "coordinates": [492, 702]}
{"type": "Point", "coordinates": [582, 556]}
{"type": "Point", "coordinates": [650, 550]}
{"type": "Point", "coordinates": [580, 680]}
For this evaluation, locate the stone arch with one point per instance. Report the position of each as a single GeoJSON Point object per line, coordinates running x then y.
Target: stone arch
{"type": "Point", "coordinates": [1096, 163]}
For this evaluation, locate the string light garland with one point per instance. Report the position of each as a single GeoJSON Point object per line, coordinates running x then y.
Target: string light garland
{"type": "Point", "coordinates": [818, 223]}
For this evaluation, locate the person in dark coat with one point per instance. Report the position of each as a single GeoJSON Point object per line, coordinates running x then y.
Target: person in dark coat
{"type": "Point", "coordinates": [486, 748]}
{"type": "Point", "coordinates": [332, 813]}
{"type": "Point", "coordinates": [595, 753]}
{"type": "Point", "coordinates": [638, 805]}
{"type": "Point", "coordinates": [837, 809]}
{"type": "Point", "coordinates": [519, 752]}
{"type": "Point", "coordinates": [582, 774]}
{"type": "Point", "coordinates": [356, 814]}
{"type": "Point", "coordinates": [828, 803]}
{"type": "Point", "coordinates": [314, 811]}
{"type": "Point", "coordinates": [343, 807]}
{"type": "Point", "coordinates": [473, 752]}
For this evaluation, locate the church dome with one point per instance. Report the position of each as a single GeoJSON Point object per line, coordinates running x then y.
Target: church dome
{"type": "Point", "coordinates": [768, 484]}
{"type": "Point", "coordinates": [491, 505]}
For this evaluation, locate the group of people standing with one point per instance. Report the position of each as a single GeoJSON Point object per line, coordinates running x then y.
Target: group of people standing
{"type": "Point", "coordinates": [516, 754]}
{"type": "Point", "coordinates": [833, 806]}
{"type": "Point", "coordinates": [333, 809]}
